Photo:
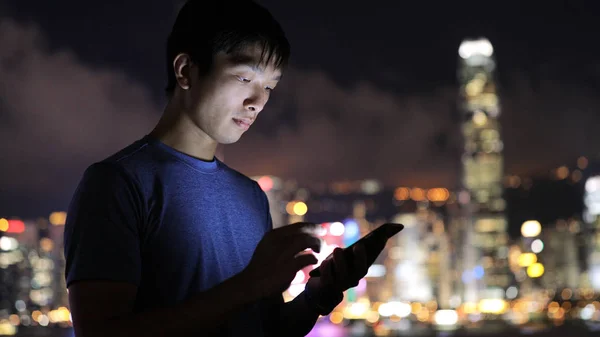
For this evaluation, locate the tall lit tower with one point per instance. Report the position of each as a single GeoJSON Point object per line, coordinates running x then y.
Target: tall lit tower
{"type": "Point", "coordinates": [482, 172]}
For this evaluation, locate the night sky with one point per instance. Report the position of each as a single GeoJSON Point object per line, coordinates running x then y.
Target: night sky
{"type": "Point", "coordinates": [370, 91]}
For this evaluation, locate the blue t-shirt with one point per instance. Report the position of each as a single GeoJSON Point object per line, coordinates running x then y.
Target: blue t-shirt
{"type": "Point", "coordinates": [172, 224]}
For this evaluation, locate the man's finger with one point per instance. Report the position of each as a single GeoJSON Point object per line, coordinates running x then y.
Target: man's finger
{"type": "Point", "coordinates": [298, 243]}
{"type": "Point", "coordinates": [303, 261]}
{"type": "Point", "coordinates": [361, 265]}
{"type": "Point", "coordinates": [340, 267]}
{"type": "Point", "coordinates": [327, 271]}
{"type": "Point", "coordinates": [298, 227]}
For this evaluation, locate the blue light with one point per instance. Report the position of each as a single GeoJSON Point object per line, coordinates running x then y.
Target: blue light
{"type": "Point", "coordinates": [478, 272]}
{"type": "Point", "coordinates": [351, 232]}
{"type": "Point", "coordinates": [351, 229]}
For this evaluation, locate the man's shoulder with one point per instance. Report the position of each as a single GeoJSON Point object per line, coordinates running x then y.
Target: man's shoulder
{"type": "Point", "coordinates": [241, 179]}
{"type": "Point", "coordinates": [133, 154]}
{"type": "Point", "coordinates": [119, 167]}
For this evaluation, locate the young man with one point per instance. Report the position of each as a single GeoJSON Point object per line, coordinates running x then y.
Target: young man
{"type": "Point", "coordinates": [163, 239]}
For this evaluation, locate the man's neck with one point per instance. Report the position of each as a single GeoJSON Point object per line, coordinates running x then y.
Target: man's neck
{"type": "Point", "coordinates": [178, 131]}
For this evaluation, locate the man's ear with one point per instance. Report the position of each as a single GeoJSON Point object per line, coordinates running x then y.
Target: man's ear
{"type": "Point", "coordinates": [182, 65]}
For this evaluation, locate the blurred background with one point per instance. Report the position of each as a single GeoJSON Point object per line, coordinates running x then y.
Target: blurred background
{"type": "Point", "coordinates": [472, 123]}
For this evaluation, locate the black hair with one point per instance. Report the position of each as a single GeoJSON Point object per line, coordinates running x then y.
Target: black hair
{"type": "Point", "coordinates": [204, 28]}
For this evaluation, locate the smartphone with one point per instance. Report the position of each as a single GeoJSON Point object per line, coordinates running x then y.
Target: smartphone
{"type": "Point", "coordinates": [374, 243]}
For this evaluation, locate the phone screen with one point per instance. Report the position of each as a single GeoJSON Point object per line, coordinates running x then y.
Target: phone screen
{"type": "Point", "coordinates": [374, 243]}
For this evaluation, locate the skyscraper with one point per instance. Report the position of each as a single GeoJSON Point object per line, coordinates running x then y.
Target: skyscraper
{"type": "Point", "coordinates": [485, 267]}
{"type": "Point", "coordinates": [591, 216]}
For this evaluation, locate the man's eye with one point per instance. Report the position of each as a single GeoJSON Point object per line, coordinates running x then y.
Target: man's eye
{"type": "Point", "coordinates": [243, 79]}
{"type": "Point", "coordinates": [269, 89]}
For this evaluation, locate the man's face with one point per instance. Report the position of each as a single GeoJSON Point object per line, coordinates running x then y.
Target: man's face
{"type": "Point", "coordinates": [226, 101]}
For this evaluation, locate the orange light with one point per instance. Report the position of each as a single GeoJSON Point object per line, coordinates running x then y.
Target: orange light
{"type": "Point", "coordinates": [438, 194]}
{"type": "Point", "coordinates": [46, 244]}
{"type": "Point", "coordinates": [265, 183]}
{"type": "Point", "coordinates": [58, 218]}
{"type": "Point", "coordinates": [290, 207]}
{"type": "Point", "coordinates": [336, 317]}
{"type": "Point", "coordinates": [402, 193]}
{"type": "Point", "coordinates": [582, 163]}
{"type": "Point", "coordinates": [417, 194]}
{"type": "Point", "coordinates": [562, 172]}
{"type": "Point", "coordinates": [3, 225]}
{"type": "Point", "coordinates": [36, 315]}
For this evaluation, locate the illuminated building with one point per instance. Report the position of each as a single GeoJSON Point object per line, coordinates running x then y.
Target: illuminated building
{"type": "Point", "coordinates": [13, 267]}
{"type": "Point", "coordinates": [562, 200]}
{"type": "Point", "coordinates": [560, 256]}
{"type": "Point", "coordinates": [31, 261]}
{"type": "Point", "coordinates": [421, 256]}
{"type": "Point", "coordinates": [485, 236]}
{"type": "Point", "coordinates": [591, 217]}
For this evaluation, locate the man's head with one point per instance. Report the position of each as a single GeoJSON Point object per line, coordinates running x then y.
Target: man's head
{"type": "Point", "coordinates": [223, 59]}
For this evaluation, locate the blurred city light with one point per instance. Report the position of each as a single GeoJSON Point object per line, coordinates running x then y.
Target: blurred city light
{"type": "Point", "coordinates": [446, 317]}
{"type": "Point", "coordinates": [531, 228]}
{"type": "Point", "coordinates": [376, 270]}
{"type": "Point", "coordinates": [265, 183]}
{"type": "Point", "coordinates": [417, 194]}
{"type": "Point", "coordinates": [471, 48]}
{"type": "Point", "coordinates": [527, 259]}
{"type": "Point", "coordinates": [58, 218]}
{"type": "Point", "coordinates": [7, 243]}
{"type": "Point", "coordinates": [15, 226]}
{"type": "Point", "coordinates": [438, 194]}
{"type": "Point", "coordinates": [535, 270]}
{"type": "Point", "coordinates": [537, 246]}
{"type": "Point", "coordinates": [3, 225]}
{"type": "Point", "coordinates": [336, 229]}
{"type": "Point", "coordinates": [300, 208]}
{"type": "Point", "coordinates": [479, 118]}
{"type": "Point", "coordinates": [296, 208]}
{"type": "Point", "coordinates": [512, 292]}
{"type": "Point", "coordinates": [582, 163]}
{"type": "Point", "coordinates": [402, 193]}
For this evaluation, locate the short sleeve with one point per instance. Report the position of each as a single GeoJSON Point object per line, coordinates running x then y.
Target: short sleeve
{"type": "Point", "coordinates": [102, 239]}
{"type": "Point", "coordinates": [267, 210]}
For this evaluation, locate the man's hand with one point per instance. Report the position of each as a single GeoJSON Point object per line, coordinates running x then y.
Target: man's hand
{"type": "Point", "coordinates": [323, 293]}
{"type": "Point", "coordinates": [278, 257]}
{"type": "Point", "coordinates": [338, 274]}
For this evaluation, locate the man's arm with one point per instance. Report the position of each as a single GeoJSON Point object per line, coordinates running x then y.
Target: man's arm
{"type": "Point", "coordinates": [297, 318]}
{"type": "Point", "coordinates": [291, 319]}
{"type": "Point", "coordinates": [104, 308]}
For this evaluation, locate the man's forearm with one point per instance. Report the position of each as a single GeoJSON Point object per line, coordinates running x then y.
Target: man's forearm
{"type": "Point", "coordinates": [201, 315]}
{"type": "Point", "coordinates": [297, 318]}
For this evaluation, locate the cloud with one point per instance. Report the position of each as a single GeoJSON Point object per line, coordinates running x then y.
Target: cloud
{"type": "Point", "coordinates": [366, 132]}
{"type": "Point", "coordinates": [59, 114]}
{"type": "Point", "coordinates": [356, 133]}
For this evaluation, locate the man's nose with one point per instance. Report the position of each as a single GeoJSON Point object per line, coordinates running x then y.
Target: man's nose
{"type": "Point", "coordinates": [257, 101]}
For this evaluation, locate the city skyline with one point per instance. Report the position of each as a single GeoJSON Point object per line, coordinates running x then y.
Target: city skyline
{"type": "Point", "coordinates": [386, 111]}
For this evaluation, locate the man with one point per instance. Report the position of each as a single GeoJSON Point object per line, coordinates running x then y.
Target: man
{"type": "Point", "coordinates": [163, 239]}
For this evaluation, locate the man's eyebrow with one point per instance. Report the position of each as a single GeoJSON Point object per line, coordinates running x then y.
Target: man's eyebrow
{"type": "Point", "coordinates": [250, 62]}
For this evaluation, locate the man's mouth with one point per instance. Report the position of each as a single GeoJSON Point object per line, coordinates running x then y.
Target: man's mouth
{"type": "Point", "coordinates": [243, 123]}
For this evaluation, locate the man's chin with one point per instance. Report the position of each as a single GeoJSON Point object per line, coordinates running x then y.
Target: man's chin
{"type": "Point", "coordinates": [230, 139]}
